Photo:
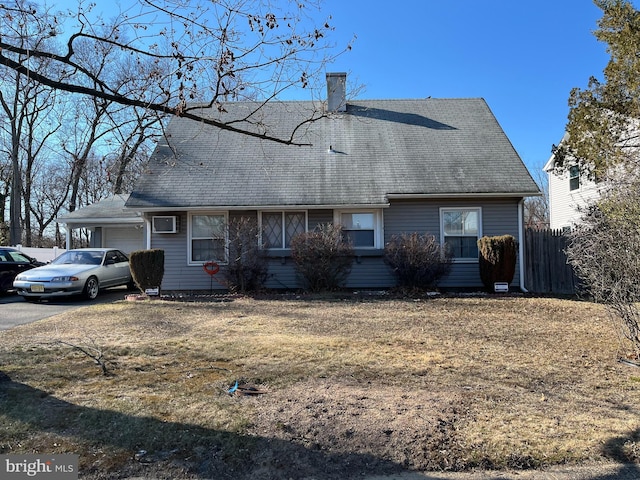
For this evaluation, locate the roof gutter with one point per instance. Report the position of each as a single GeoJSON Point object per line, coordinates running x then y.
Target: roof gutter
{"type": "Point", "coordinates": [390, 196]}
{"type": "Point", "coordinates": [81, 222]}
{"type": "Point", "coordinates": [208, 208]}
{"type": "Point", "coordinates": [418, 196]}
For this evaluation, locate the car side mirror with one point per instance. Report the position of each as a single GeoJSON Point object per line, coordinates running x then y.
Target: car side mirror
{"type": "Point", "coordinates": [110, 261]}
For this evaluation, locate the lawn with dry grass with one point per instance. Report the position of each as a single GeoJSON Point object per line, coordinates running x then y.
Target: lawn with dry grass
{"type": "Point", "coordinates": [349, 386]}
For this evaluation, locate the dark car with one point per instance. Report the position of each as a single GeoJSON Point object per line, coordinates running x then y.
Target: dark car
{"type": "Point", "coordinates": [13, 262]}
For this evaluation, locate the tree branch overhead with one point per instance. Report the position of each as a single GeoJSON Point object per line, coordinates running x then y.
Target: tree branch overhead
{"type": "Point", "coordinates": [258, 52]}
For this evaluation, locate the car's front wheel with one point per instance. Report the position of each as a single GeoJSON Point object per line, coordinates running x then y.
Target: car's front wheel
{"type": "Point", "coordinates": [91, 288]}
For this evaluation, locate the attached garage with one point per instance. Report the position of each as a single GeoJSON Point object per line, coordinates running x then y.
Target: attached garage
{"type": "Point", "coordinates": [110, 224]}
{"type": "Point", "coordinates": [124, 238]}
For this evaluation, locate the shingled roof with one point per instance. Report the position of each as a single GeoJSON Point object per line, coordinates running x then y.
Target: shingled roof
{"type": "Point", "coordinates": [109, 210]}
{"type": "Point", "coordinates": [374, 151]}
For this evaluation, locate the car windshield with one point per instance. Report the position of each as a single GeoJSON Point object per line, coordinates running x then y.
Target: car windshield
{"type": "Point", "coordinates": [75, 257]}
{"type": "Point", "coordinates": [13, 256]}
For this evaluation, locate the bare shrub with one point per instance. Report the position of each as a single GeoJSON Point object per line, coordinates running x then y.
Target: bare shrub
{"type": "Point", "coordinates": [417, 261]}
{"type": "Point", "coordinates": [604, 250]}
{"type": "Point", "coordinates": [247, 269]}
{"type": "Point", "coordinates": [323, 257]}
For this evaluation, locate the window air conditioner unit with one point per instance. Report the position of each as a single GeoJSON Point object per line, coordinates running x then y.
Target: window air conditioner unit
{"type": "Point", "coordinates": [165, 224]}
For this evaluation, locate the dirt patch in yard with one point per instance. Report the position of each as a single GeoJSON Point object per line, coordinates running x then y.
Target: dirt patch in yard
{"type": "Point", "coordinates": [359, 423]}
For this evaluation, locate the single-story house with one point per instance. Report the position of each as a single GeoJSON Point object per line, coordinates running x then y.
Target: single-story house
{"type": "Point", "coordinates": [376, 167]}
{"type": "Point", "coordinates": [110, 224]}
{"type": "Point", "coordinates": [569, 191]}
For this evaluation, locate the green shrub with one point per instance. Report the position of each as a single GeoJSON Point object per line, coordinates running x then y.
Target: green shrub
{"type": "Point", "coordinates": [417, 261]}
{"type": "Point", "coordinates": [147, 268]}
{"type": "Point", "coordinates": [323, 257]}
{"type": "Point", "coordinates": [497, 259]}
{"type": "Point", "coordinates": [247, 269]}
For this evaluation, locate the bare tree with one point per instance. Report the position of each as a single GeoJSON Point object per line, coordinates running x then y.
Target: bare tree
{"type": "Point", "coordinates": [24, 104]}
{"type": "Point", "coordinates": [5, 182]}
{"type": "Point", "coordinates": [39, 126]}
{"type": "Point", "coordinates": [605, 253]}
{"type": "Point", "coordinates": [126, 164]}
{"type": "Point", "coordinates": [172, 57]}
{"type": "Point", "coordinates": [216, 51]}
{"type": "Point", "coordinates": [95, 183]}
{"type": "Point", "coordinates": [133, 129]}
{"type": "Point", "coordinates": [49, 192]}
{"type": "Point", "coordinates": [104, 125]}
{"type": "Point", "coordinates": [536, 209]}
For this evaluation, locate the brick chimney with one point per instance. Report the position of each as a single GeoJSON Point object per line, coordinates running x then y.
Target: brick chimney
{"type": "Point", "coordinates": [336, 92]}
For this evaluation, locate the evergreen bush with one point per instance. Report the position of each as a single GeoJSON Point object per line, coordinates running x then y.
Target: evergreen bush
{"type": "Point", "coordinates": [497, 260]}
{"type": "Point", "coordinates": [147, 268]}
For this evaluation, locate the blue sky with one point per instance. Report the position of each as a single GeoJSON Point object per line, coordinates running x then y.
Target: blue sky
{"type": "Point", "coordinates": [523, 57]}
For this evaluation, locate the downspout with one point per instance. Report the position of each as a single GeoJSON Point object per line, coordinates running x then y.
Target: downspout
{"type": "Point", "coordinates": [521, 243]}
{"type": "Point", "coordinates": [147, 227]}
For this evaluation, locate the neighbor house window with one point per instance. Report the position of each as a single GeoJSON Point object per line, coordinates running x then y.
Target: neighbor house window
{"type": "Point", "coordinates": [278, 228]}
{"type": "Point", "coordinates": [574, 178]}
{"type": "Point", "coordinates": [460, 231]}
{"type": "Point", "coordinates": [207, 237]}
{"type": "Point", "coordinates": [363, 228]}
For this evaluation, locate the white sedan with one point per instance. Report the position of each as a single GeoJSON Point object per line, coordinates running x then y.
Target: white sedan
{"type": "Point", "coordinates": [83, 271]}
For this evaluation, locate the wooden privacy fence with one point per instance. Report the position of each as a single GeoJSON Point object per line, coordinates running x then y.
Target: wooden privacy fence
{"type": "Point", "coordinates": [546, 267]}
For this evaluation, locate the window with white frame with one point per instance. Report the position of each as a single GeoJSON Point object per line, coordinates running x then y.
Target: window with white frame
{"type": "Point", "coordinates": [207, 237]}
{"type": "Point", "coordinates": [278, 228]}
{"type": "Point", "coordinates": [362, 227]}
{"type": "Point", "coordinates": [460, 229]}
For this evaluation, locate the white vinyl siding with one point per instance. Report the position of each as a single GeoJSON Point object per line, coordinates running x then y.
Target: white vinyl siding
{"type": "Point", "coordinates": [564, 203]}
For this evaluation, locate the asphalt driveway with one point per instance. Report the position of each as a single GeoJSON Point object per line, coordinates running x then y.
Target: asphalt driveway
{"type": "Point", "coordinates": [14, 310]}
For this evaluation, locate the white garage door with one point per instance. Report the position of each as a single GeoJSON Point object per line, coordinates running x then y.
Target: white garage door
{"type": "Point", "coordinates": [126, 239]}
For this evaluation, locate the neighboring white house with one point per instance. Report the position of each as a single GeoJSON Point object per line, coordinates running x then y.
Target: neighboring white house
{"type": "Point", "coordinates": [568, 192]}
